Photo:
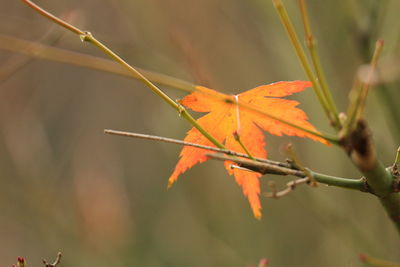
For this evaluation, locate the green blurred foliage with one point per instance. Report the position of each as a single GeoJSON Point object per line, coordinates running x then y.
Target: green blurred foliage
{"type": "Point", "coordinates": [102, 200]}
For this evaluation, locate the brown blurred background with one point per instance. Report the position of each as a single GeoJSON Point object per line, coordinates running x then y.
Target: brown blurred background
{"type": "Point", "coordinates": [102, 200]}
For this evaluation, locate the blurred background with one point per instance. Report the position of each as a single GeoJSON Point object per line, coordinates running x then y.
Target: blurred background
{"type": "Point", "coordinates": [102, 200]}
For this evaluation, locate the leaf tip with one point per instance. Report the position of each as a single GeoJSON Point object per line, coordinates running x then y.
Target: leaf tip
{"type": "Point", "coordinates": [171, 181]}
{"type": "Point", "coordinates": [256, 211]}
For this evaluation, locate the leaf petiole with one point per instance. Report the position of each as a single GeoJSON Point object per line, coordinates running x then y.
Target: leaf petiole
{"type": "Point", "coordinates": [237, 138]}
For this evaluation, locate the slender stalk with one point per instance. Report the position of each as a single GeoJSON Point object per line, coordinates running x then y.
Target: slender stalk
{"type": "Point", "coordinates": [88, 37]}
{"type": "Point", "coordinates": [302, 57]}
{"type": "Point", "coordinates": [356, 184]}
{"type": "Point", "coordinates": [366, 84]}
{"type": "Point", "coordinates": [35, 49]}
{"type": "Point", "coordinates": [350, 118]}
{"type": "Point", "coordinates": [359, 93]}
{"type": "Point", "coordinates": [312, 47]}
{"type": "Point", "coordinates": [179, 142]}
{"type": "Point", "coordinates": [238, 139]}
{"type": "Point", "coordinates": [53, 18]}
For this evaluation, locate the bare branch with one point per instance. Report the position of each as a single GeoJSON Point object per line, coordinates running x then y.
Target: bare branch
{"type": "Point", "coordinates": [261, 167]}
{"type": "Point", "coordinates": [55, 263]}
{"type": "Point", "coordinates": [179, 142]}
{"type": "Point", "coordinates": [290, 186]}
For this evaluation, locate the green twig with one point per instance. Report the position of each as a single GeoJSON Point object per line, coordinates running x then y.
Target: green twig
{"type": "Point", "coordinates": [368, 80]}
{"type": "Point", "coordinates": [312, 47]}
{"type": "Point", "coordinates": [265, 168]}
{"type": "Point", "coordinates": [303, 59]}
{"type": "Point", "coordinates": [237, 138]}
{"type": "Point", "coordinates": [356, 184]}
{"type": "Point", "coordinates": [86, 36]}
{"type": "Point", "coordinates": [359, 92]}
{"type": "Point", "coordinates": [349, 118]}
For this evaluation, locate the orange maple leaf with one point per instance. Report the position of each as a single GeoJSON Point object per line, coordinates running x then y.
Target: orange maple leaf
{"type": "Point", "coordinates": [227, 119]}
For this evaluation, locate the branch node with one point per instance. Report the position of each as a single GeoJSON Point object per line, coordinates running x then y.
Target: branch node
{"type": "Point", "coordinates": [361, 147]}
{"type": "Point", "coordinates": [181, 108]}
{"type": "Point", "coordinates": [395, 169]}
{"type": "Point", "coordinates": [365, 186]}
{"type": "Point", "coordinates": [86, 36]}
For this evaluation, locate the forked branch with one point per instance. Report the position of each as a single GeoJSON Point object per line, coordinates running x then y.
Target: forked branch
{"type": "Point", "coordinates": [263, 166]}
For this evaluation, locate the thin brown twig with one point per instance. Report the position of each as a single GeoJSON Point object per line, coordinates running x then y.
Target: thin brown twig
{"type": "Point", "coordinates": [290, 186]}
{"type": "Point", "coordinates": [179, 142]}
{"type": "Point", "coordinates": [55, 263]}
{"type": "Point", "coordinates": [261, 167]}
{"type": "Point", "coordinates": [55, 19]}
